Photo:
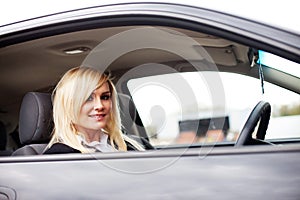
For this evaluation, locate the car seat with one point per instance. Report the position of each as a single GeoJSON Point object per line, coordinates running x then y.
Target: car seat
{"type": "Point", "coordinates": [35, 123]}
{"type": "Point", "coordinates": [131, 122]}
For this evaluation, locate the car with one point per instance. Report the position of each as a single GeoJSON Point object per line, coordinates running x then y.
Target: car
{"type": "Point", "coordinates": [210, 89]}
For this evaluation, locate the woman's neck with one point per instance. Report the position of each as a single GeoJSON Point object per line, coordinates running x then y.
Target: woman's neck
{"type": "Point", "coordinates": [90, 135]}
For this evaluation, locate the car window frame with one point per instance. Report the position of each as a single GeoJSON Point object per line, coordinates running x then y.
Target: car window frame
{"type": "Point", "coordinates": [165, 16]}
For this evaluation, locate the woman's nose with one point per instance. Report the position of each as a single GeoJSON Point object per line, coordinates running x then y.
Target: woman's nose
{"type": "Point", "coordinates": [98, 104]}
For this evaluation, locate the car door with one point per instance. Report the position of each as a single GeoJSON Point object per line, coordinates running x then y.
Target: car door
{"type": "Point", "coordinates": [187, 170]}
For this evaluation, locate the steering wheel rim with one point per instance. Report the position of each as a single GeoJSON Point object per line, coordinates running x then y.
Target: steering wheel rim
{"type": "Point", "coordinates": [261, 112]}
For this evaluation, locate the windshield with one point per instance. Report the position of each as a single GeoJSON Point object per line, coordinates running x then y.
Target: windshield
{"type": "Point", "coordinates": [279, 63]}
{"type": "Point", "coordinates": [167, 108]}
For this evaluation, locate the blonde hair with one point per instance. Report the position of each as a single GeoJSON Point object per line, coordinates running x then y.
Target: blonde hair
{"type": "Point", "coordinates": [71, 92]}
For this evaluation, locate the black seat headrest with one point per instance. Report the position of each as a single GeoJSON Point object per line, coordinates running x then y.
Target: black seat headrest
{"type": "Point", "coordinates": [35, 120]}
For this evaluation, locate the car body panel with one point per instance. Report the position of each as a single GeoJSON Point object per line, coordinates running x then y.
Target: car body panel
{"type": "Point", "coordinates": [263, 173]}
{"type": "Point", "coordinates": [232, 7]}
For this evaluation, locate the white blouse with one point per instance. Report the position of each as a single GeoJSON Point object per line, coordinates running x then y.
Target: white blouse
{"type": "Point", "coordinates": [97, 146]}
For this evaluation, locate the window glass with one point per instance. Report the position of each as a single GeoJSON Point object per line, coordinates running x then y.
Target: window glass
{"type": "Point", "coordinates": [279, 63]}
{"type": "Point", "coordinates": [183, 107]}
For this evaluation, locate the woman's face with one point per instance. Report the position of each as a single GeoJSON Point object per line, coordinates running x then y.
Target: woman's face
{"type": "Point", "coordinates": [94, 113]}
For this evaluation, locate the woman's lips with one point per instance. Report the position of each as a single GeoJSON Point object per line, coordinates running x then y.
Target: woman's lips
{"type": "Point", "coordinates": [98, 117]}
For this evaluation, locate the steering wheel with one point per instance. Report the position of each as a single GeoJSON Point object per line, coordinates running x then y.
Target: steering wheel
{"type": "Point", "coordinates": [261, 112]}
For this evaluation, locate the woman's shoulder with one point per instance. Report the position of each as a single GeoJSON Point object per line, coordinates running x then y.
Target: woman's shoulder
{"type": "Point", "coordinates": [60, 148]}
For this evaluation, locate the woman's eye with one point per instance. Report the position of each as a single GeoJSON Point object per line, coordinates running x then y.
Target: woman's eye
{"type": "Point", "coordinates": [90, 98]}
{"type": "Point", "coordinates": [105, 97]}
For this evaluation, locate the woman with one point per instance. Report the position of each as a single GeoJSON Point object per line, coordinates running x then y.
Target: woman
{"type": "Point", "coordinates": [86, 115]}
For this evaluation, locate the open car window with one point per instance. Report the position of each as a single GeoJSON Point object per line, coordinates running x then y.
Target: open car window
{"type": "Point", "coordinates": [189, 85]}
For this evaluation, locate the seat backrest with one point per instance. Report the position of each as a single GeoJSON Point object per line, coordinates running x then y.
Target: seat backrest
{"type": "Point", "coordinates": [35, 123]}
{"type": "Point", "coordinates": [131, 122]}
{"type": "Point", "coordinates": [127, 114]}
